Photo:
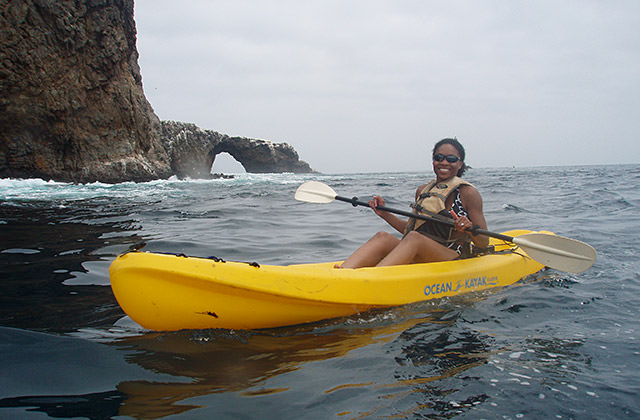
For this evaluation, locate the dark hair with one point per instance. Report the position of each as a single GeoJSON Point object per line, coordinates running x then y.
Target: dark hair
{"type": "Point", "coordinates": [455, 143]}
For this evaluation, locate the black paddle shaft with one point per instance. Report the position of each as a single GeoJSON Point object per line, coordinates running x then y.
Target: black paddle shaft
{"type": "Point", "coordinates": [475, 230]}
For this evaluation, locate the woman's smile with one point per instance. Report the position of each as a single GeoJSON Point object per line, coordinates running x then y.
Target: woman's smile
{"type": "Point", "coordinates": [444, 169]}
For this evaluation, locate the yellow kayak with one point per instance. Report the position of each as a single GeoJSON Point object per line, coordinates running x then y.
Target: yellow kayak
{"type": "Point", "coordinates": [165, 292]}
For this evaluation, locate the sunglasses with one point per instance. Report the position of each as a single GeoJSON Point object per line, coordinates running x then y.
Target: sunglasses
{"type": "Point", "coordinates": [450, 158]}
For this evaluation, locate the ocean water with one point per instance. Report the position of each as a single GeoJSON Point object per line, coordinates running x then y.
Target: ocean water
{"type": "Point", "coordinates": [554, 345]}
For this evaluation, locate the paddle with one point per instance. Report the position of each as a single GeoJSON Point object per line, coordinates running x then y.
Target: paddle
{"type": "Point", "coordinates": [553, 251]}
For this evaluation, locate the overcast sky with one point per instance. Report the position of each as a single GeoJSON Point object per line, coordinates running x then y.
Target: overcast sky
{"type": "Point", "coordinates": [370, 85]}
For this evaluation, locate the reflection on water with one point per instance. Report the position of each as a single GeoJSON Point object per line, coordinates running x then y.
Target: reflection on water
{"type": "Point", "coordinates": [432, 354]}
{"type": "Point", "coordinates": [230, 361]}
{"type": "Point", "coordinates": [224, 361]}
{"type": "Point", "coordinates": [435, 355]}
{"type": "Point", "coordinates": [100, 405]}
{"type": "Point", "coordinates": [208, 362]}
{"type": "Point", "coordinates": [40, 264]}
{"type": "Point", "coordinates": [63, 376]}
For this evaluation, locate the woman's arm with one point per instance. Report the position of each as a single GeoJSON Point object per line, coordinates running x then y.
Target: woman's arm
{"type": "Point", "coordinates": [395, 222]}
{"type": "Point", "coordinates": [398, 224]}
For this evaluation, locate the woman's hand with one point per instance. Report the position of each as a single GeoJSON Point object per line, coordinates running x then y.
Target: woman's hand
{"type": "Point", "coordinates": [462, 224]}
{"type": "Point", "coordinates": [375, 202]}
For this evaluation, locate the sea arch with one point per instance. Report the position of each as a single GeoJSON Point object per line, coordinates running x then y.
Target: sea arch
{"type": "Point", "coordinates": [224, 163]}
{"type": "Point", "coordinates": [192, 152]}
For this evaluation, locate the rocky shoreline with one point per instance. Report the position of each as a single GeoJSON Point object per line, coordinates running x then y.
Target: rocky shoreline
{"type": "Point", "coordinates": [221, 176]}
{"type": "Point", "coordinates": [73, 109]}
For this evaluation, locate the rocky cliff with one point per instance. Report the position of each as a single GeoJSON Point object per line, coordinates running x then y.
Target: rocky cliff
{"type": "Point", "coordinates": [72, 107]}
{"type": "Point", "coordinates": [192, 151]}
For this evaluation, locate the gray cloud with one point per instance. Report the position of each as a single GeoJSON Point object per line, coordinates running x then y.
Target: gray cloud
{"type": "Point", "coordinates": [371, 85]}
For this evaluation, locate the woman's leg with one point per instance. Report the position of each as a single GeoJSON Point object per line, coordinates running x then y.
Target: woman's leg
{"type": "Point", "coordinates": [417, 248]}
{"type": "Point", "coordinates": [372, 251]}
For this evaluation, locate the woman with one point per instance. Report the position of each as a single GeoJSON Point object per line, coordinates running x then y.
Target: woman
{"type": "Point", "coordinates": [430, 241]}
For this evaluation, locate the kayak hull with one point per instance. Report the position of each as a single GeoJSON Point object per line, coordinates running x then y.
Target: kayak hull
{"type": "Point", "coordinates": [166, 292]}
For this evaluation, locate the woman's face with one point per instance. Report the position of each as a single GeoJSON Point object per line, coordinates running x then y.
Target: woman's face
{"type": "Point", "coordinates": [445, 169]}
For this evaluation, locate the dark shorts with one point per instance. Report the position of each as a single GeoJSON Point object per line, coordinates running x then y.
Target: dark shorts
{"type": "Point", "coordinates": [440, 234]}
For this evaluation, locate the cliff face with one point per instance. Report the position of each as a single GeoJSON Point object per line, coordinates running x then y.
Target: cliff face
{"type": "Point", "coordinates": [72, 107]}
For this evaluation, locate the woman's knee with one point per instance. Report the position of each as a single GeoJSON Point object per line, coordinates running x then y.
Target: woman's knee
{"type": "Point", "coordinates": [384, 240]}
{"type": "Point", "coordinates": [414, 236]}
{"type": "Point", "coordinates": [383, 236]}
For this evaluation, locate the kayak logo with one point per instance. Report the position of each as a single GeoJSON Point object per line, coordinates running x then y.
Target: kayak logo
{"type": "Point", "coordinates": [470, 283]}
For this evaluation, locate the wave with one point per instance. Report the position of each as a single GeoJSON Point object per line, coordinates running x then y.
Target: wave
{"type": "Point", "coordinates": [37, 189]}
{"type": "Point", "coordinates": [514, 208]}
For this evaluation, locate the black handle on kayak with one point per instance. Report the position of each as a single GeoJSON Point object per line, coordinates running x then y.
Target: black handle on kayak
{"type": "Point", "coordinates": [475, 231]}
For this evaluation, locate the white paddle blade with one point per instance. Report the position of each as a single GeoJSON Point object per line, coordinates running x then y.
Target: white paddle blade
{"type": "Point", "coordinates": [557, 252]}
{"type": "Point", "coordinates": [315, 192]}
